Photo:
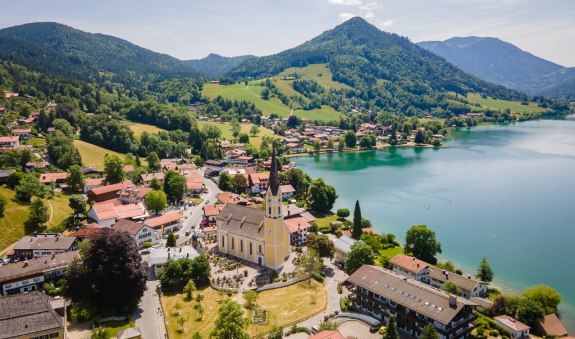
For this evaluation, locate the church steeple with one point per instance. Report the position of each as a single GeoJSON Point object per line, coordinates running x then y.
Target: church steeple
{"type": "Point", "coordinates": [274, 176]}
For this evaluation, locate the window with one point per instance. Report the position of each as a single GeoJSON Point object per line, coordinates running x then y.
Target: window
{"type": "Point", "coordinates": [260, 248]}
{"type": "Point", "coordinates": [279, 210]}
{"type": "Point", "coordinates": [241, 245]}
{"type": "Point", "coordinates": [54, 335]}
{"type": "Point", "coordinates": [269, 210]}
{"type": "Point", "coordinates": [233, 243]}
{"type": "Point", "coordinates": [251, 249]}
{"type": "Point", "coordinates": [223, 242]}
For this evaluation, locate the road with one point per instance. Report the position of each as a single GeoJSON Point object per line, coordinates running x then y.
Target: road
{"type": "Point", "coordinates": [149, 317]}
{"type": "Point", "coordinates": [193, 214]}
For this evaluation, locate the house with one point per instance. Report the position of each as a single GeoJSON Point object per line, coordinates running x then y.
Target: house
{"type": "Point", "coordinates": [298, 228]}
{"type": "Point", "coordinates": [148, 177]}
{"type": "Point", "coordinates": [92, 171]}
{"type": "Point", "coordinates": [9, 142]}
{"type": "Point", "coordinates": [166, 222]}
{"type": "Point", "coordinates": [550, 326]}
{"type": "Point", "coordinates": [108, 192]}
{"type": "Point", "coordinates": [258, 182]}
{"type": "Point", "coordinates": [106, 213]}
{"type": "Point", "coordinates": [30, 315]}
{"type": "Point", "coordinates": [30, 275]}
{"type": "Point", "coordinates": [410, 267]}
{"type": "Point", "coordinates": [50, 130]}
{"type": "Point", "coordinates": [90, 184]}
{"type": "Point", "coordinates": [231, 198]}
{"type": "Point", "coordinates": [243, 160]}
{"type": "Point", "coordinates": [258, 236]}
{"type": "Point", "coordinates": [516, 328]}
{"type": "Point", "coordinates": [88, 231]}
{"type": "Point", "coordinates": [212, 211]}
{"type": "Point", "coordinates": [39, 165]}
{"type": "Point", "coordinates": [421, 271]}
{"type": "Point", "coordinates": [133, 194]}
{"type": "Point", "coordinates": [342, 248]}
{"type": "Point", "coordinates": [168, 164]}
{"type": "Point", "coordinates": [43, 244]}
{"type": "Point", "coordinates": [4, 174]}
{"type": "Point", "coordinates": [23, 133]}
{"type": "Point", "coordinates": [382, 294]}
{"type": "Point", "coordinates": [287, 192]}
{"type": "Point", "coordinates": [140, 232]}
{"type": "Point", "coordinates": [56, 179]}
{"type": "Point", "coordinates": [129, 169]}
{"type": "Point", "coordinates": [329, 334]}
{"type": "Point", "coordinates": [215, 164]}
{"type": "Point", "coordinates": [234, 153]}
{"type": "Point", "coordinates": [160, 256]}
{"type": "Point", "coordinates": [194, 183]}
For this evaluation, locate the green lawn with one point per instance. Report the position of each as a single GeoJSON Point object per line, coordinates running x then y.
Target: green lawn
{"type": "Point", "coordinates": [252, 93]}
{"type": "Point", "coordinates": [325, 221]}
{"type": "Point", "coordinates": [317, 72]}
{"type": "Point", "coordinates": [227, 131]}
{"type": "Point", "coordinates": [36, 142]}
{"type": "Point", "coordinates": [138, 128]}
{"type": "Point", "coordinates": [113, 327]}
{"type": "Point", "coordinates": [514, 106]}
{"type": "Point", "coordinates": [16, 213]}
{"type": "Point", "coordinates": [93, 155]}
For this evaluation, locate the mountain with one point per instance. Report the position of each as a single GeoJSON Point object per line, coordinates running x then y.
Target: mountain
{"type": "Point", "coordinates": [61, 50]}
{"type": "Point", "coordinates": [214, 65]}
{"type": "Point", "coordinates": [386, 70]}
{"type": "Point", "coordinates": [502, 63]}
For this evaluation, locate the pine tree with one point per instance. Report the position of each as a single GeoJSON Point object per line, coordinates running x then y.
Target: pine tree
{"type": "Point", "coordinates": [429, 332]}
{"type": "Point", "coordinates": [171, 239]}
{"type": "Point", "coordinates": [356, 232]}
{"type": "Point", "coordinates": [391, 332]}
{"type": "Point", "coordinates": [484, 271]}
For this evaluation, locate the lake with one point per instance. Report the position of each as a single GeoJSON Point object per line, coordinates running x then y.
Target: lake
{"type": "Point", "coordinates": [504, 192]}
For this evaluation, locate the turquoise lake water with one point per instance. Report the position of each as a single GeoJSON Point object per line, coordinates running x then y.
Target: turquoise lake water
{"type": "Point", "coordinates": [506, 192]}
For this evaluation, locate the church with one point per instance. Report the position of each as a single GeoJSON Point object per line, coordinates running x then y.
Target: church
{"type": "Point", "coordinates": [255, 235]}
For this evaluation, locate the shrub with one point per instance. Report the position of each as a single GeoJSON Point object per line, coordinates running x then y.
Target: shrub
{"type": "Point", "coordinates": [344, 304]}
{"type": "Point", "coordinates": [245, 273]}
{"type": "Point", "coordinates": [494, 333]}
{"type": "Point", "coordinates": [317, 277]}
{"type": "Point", "coordinates": [147, 244]}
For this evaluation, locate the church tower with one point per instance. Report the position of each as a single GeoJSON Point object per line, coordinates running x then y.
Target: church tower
{"type": "Point", "coordinates": [277, 238]}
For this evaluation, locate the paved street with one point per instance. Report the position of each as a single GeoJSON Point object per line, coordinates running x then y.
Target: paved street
{"type": "Point", "coordinates": [148, 316]}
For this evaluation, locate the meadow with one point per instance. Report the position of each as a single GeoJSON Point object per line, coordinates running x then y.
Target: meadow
{"type": "Point", "coordinates": [514, 106]}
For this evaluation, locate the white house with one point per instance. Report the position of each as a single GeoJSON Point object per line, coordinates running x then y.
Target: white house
{"type": "Point", "coordinates": [343, 247]}
{"type": "Point", "coordinates": [9, 142]}
{"type": "Point", "coordinates": [166, 222]}
{"type": "Point", "coordinates": [107, 212]}
{"type": "Point", "coordinates": [287, 192]}
{"type": "Point", "coordinates": [410, 267]}
{"type": "Point", "coordinates": [139, 231]}
{"type": "Point", "coordinates": [516, 328]}
{"type": "Point", "coordinates": [159, 256]}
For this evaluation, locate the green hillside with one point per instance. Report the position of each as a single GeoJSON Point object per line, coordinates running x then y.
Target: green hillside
{"type": "Point", "coordinates": [319, 73]}
{"type": "Point", "coordinates": [498, 104]}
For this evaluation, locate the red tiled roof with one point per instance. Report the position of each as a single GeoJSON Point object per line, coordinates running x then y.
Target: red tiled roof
{"type": "Point", "coordinates": [327, 335]}
{"type": "Point", "coordinates": [94, 182]}
{"type": "Point", "coordinates": [88, 231]}
{"type": "Point", "coordinates": [128, 226]}
{"type": "Point", "coordinates": [287, 189]}
{"type": "Point", "coordinates": [163, 219]}
{"type": "Point", "coordinates": [9, 139]}
{"type": "Point", "coordinates": [295, 224]}
{"type": "Point", "coordinates": [230, 198]}
{"type": "Point", "coordinates": [20, 130]}
{"type": "Point", "coordinates": [111, 188]}
{"type": "Point", "coordinates": [409, 263]}
{"type": "Point", "coordinates": [213, 210]}
{"type": "Point", "coordinates": [257, 178]}
{"type": "Point", "coordinates": [47, 178]}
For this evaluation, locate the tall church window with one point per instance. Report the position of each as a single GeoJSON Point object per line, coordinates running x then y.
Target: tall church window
{"type": "Point", "coordinates": [233, 243]}
{"type": "Point", "coordinates": [251, 249]}
{"type": "Point", "coordinates": [223, 241]}
{"type": "Point", "coordinates": [269, 210]}
{"type": "Point", "coordinates": [241, 245]}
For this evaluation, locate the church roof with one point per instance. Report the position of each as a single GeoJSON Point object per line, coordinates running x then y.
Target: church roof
{"type": "Point", "coordinates": [274, 176]}
{"type": "Point", "coordinates": [244, 221]}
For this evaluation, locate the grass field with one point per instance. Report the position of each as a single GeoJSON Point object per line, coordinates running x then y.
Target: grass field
{"type": "Point", "coordinates": [138, 128]}
{"type": "Point", "coordinates": [320, 73]}
{"type": "Point", "coordinates": [227, 132]}
{"type": "Point", "coordinates": [16, 213]}
{"type": "Point", "coordinates": [252, 93]}
{"type": "Point", "coordinates": [284, 306]}
{"type": "Point", "coordinates": [514, 106]}
{"type": "Point", "coordinates": [325, 221]}
{"type": "Point", "coordinates": [93, 155]}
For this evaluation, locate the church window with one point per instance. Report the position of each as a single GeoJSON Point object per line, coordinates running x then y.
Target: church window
{"type": "Point", "coordinates": [279, 210]}
{"type": "Point", "coordinates": [241, 245]}
{"type": "Point", "coordinates": [269, 231]}
{"type": "Point", "coordinates": [223, 241]}
{"type": "Point", "coordinates": [233, 243]}
{"type": "Point", "coordinates": [251, 249]}
{"type": "Point", "coordinates": [269, 210]}
{"type": "Point", "coordinates": [260, 248]}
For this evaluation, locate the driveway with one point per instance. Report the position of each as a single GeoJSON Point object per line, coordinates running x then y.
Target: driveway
{"type": "Point", "coordinates": [149, 317]}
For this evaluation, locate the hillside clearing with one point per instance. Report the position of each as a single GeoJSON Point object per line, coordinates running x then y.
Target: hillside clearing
{"type": "Point", "coordinates": [93, 155]}
{"type": "Point", "coordinates": [227, 131]}
{"type": "Point", "coordinates": [139, 128]}
{"type": "Point", "coordinates": [514, 106]}
{"type": "Point", "coordinates": [320, 73]}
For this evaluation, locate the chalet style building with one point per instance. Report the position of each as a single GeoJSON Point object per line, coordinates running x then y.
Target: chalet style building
{"type": "Point", "coordinates": [382, 294]}
{"type": "Point", "coordinates": [43, 244]}
{"type": "Point", "coordinates": [32, 315]}
{"type": "Point", "coordinates": [254, 235]}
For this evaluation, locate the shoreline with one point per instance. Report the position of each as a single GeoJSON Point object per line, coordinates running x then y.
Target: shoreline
{"type": "Point", "coordinates": [359, 150]}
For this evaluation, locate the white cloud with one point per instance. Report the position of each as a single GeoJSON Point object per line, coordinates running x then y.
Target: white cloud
{"type": "Point", "coordinates": [346, 16]}
{"type": "Point", "coordinates": [370, 6]}
{"type": "Point", "coordinates": [345, 2]}
{"type": "Point", "coordinates": [368, 15]}
{"type": "Point", "coordinates": [387, 23]}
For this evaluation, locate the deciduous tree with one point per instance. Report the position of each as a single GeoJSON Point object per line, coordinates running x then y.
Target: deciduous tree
{"type": "Point", "coordinates": [189, 289]}
{"type": "Point", "coordinates": [545, 296]}
{"type": "Point", "coordinates": [171, 242]}
{"type": "Point", "coordinates": [251, 297]}
{"type": "Point", "coordinates": [322, 244]}
{"type": "Point", "coordinates": [343, 213]}
{"type": "Point", "coordinates": [174, 186]}
{"type": "Point", "coordinates": [78, 204]}
{"type": "Point", "coordinates": [154, 164]}
{"type": "Point", "coordinates": [2, 206]}
{"type": "Point", "coordinates": [321, 196]}
{"type": "Point", "coordinates": [350, 139]}
{"type": "Point", "coordinates": [75, 178]}
{"type": "Point", "coordinates": [230, 322]}
{"type": "Point", "coordinates": [391, 332]}
{"type": "Point", "coordinates": [113, 169]}
{"type": "Point", "coordinates": [254, 130]}
{"type": "Point", "coordinates": [360, 254]}
{"type": "Point", "coordinates": [451, 287]}
{"type": "Point", "coordinates": [225, 182]}
{"type": "Point", "coordinates": [38, 214]}
{"type": "Point", "coordinates": [421, 243]}
{"type": "Point", "coordinates": [156, 201]}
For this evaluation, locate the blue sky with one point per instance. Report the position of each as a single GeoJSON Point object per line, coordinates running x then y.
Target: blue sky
{"type": "Point", "coordinates": [189, 29]}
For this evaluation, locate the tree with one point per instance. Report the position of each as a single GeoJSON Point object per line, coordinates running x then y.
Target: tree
{"type": "Point", "coordinates": [292, 121]}
{"type": "Point", "coordinates": [360, 254]}
{"type": "Point", "coordinates": [181, 321]}
{"type": "Point", "coordinates": [528, 311]}
{"type": "Point", "coordinates": [244, 138]}
{"type": "Point", "coordinates": [265, 94]}
{"type": "Point", "coordinates": [75, 178]}
{"type": "Point", "coordinates": [156, 201]}
{"type": "Point", "coordinates": [429, 332]}
{"type": "Point", "coordinates": [451, 287]}
{"type": "Point", "coordinates": [174, 185]}
{"type": "Point", "coordinates": [276, 332]}
{"type": "Point", "coordinates": [343, 213]}
{"type": "Point", "coordinates": [391, 332]}
{"type": "Point", "coordinates": [28, 187]}
{"type": "Point", "coordinates": [14, 179]}
{"type": "Point", "coordinates": [113, 169]}
{"type": "Point", "coordinates": [251, 297]}
{"type": "Point", "coordinates": [2, 206]}
{"type": "Point", "coordinates": [78, 204]}
{"type": "Point", "coordinates": [350, 139]}
{"type": "Point", "coordinates": [100, 333]}
{"type": "Point", "coordinates": [225, 182]}
{"type": "Point", "coordinates": [357, 226]}
{"type": "Point", "coordinates": [316, 146]}
{"type": "Point", "coordinates": [171, 242]}
{"type": "Point", "coordinates": [484, 272]}
{"type": "Point", "coordinates": [311, 262]}
{"type": "Point", "coordinates": [327, 325]}
{"type": "Point", "coordinates": [189, 289]}
{"type": "Point", "coordinates": [544, 296]}
{"type": "Point", "coordinates": [254, 130]}
{"type": "Point", "coordinates": [197, 335]}
{"type": "Point", "coordinates": [419, 137]}
{"type": "Point", "coordinates": [240, 183]}
{"type": "Point", "coordinates": [38, 214]}
{"type": "Point", "coordinates": [155, 184]}
{"type": "Point", "coordinates": [421, 243]}
{"type": "Point", "coordinates": [154, 164]}
{"type": "Point", "coordinates": [62, 151]}
{"type": "Point", "coordinates": [235, 127]}
{"type": "Point", "coordinates": [230, 322]}
{"type": "Point", "coordinates": [322, 244]}
{"type": "Point", "coordinates": [177, 273]}
{"type": "Point", "coordinates": [321, 196]}
{"type": "Point", "coordinates": [104, 283]}
{"type": "Point", "coordinates": [447, 265]}
{"type": "Point", "coordinates": [200, 310]}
